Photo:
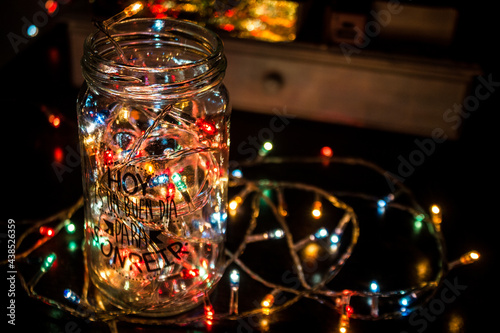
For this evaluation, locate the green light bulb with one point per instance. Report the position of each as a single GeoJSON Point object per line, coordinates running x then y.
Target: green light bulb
{"type": "Point", "coordinates": [48, 262]}
{"type": "Point", "coordinates": [177, 179]}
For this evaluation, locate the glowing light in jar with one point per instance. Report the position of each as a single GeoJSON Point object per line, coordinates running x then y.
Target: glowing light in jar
{"type": "Point", "coordinates": [189, 273]}
{"type": "Point", "coordinates": [206, 126]}
{"type": "Point", "coordinates": [177, 179]}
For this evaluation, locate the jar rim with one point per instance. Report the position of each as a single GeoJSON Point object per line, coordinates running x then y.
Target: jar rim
{"type": "Point", "coordinates": [216, 51]}
{"type": "Point", "coordinates": [198, 65]}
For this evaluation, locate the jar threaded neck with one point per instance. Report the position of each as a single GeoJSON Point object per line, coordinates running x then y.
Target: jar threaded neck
{"type": "Point", "coordinates": [166, 59]}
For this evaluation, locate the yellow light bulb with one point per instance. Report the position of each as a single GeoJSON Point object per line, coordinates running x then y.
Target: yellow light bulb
{"type": "Point", "coordinates": [233, 205]}
{"type": "Point", "coordinates": [134, 8]}
{"type": "Point", "coordinates": [317, 208]}
{"type": "Point", "coordinates": [149, 168]}
{"type": "Point", "coordinates": [127, 12]}
{"type": "Point", "coordinates": [437, 217]}
{"type": "Point", "coordinates": [268, 146]}
{"type": "Point", "coordinates": [268, 301]}
{"type": "Point", "coordinates": [469, 257]}
{"type": "Point", "coordinates": [283, 211]}
{"type": "Point", "coordinates": [344, 324]}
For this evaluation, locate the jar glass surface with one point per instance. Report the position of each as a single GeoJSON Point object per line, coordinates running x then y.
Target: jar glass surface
{"type": "Point", "coordinates": [153, 120]}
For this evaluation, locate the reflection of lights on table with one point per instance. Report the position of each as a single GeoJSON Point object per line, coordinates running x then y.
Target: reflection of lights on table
{"type": "Point", "coordinates": [209, 315]}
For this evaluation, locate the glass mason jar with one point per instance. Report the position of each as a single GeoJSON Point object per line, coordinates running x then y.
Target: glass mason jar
{"type": "Point", "coordinates": [153, 120]}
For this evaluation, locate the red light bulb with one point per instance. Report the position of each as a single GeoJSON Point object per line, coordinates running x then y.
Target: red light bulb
{"type": "Point", "coordinates": [108, 157]}
{"type": "Point", "coordinates": [170, 191]}
{"type": "Point", "coordinates": [206, 126]}
{"type": "Point", "coordinates": [189, 273]}
{"type": "Point", "coordinates": [209, 315]}
{"type": "Point", "coordinates": [46, 231]}
{"type": "Point", "coordinates": [51, 6]}
{"type": "Point", "coordinates": [326, 151]}
{"type": "Point", "coordinates": [349, 310]}
{"type": "Point", "coordinates": [55, 121]}
{"type": "Point", "coordinates": [58, 154]}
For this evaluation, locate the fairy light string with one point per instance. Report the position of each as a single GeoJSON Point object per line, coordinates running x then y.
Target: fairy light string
{"type": "Point", "coordinates": [254, 190]}
{"type": "Point", "coordinates": [104, 26]}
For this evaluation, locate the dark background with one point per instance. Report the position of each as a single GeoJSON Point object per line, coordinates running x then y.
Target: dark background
{"type": "Point", "coordinates": [461, 175]}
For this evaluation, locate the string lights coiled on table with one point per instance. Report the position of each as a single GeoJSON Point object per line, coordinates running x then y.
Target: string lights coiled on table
{"type": "Point", "coordinates": [334, 239]}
